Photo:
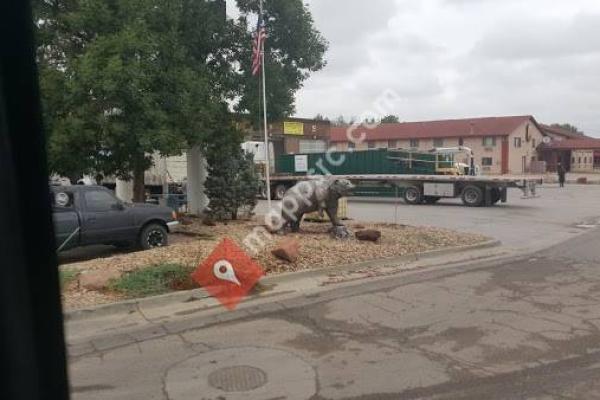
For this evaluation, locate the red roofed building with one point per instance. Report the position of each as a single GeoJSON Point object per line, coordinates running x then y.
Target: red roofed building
{"type": "Point", "coordinates": [559, 133]}
{"type": "Point", "coordinates": [502, 145]}
{"type": "Point", "coordinates": [581, 154]}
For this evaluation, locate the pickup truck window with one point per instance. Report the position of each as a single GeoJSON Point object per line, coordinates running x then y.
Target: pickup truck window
{"type": "Point", "coordinates": [99, 200]}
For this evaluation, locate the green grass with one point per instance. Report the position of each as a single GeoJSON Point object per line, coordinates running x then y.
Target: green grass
{"type": "Point", "coordinates": [154, 280]}
{"type": "Point", "coordinates": [66, 277]}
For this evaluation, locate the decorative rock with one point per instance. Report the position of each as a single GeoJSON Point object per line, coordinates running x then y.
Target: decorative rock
{"type": "Point", "coordinates": [97, 280]}
{"type": "Point", "coordinates": [339, 232]}
{"type": "Point", "coordinates": [370, 235]}
{"type": "Point", "coordinates": [287, 249]}
{"type": "Point", "coordinates": [186, 221]}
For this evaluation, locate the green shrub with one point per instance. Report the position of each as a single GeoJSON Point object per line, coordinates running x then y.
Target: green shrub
{"type": "Point", "coordinates": [154, 280]}
{"type": "Point", "coordinates": [232, 183]}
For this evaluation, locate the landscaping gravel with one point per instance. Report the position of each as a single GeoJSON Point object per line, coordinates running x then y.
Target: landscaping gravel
{"type": "Point", "coordinates": [317, 250]}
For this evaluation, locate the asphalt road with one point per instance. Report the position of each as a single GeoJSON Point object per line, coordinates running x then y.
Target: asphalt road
{"type": "Point", "coordinates": [531, 224]}
{"type": "Point", "coordinates": [527, 328]}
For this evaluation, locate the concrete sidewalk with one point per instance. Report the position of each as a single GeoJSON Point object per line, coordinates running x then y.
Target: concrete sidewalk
{"type": "Point", "coordinates": [113, 325]}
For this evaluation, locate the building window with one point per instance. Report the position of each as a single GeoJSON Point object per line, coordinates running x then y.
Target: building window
{"type": "Point", "coordinates": [487, 161]}
{"type": "Point", "coordinates": [489, 141]}
{"type": "Point", "coordinates": [517, 142]}
{"type": "Point", "coordinates": [371, 144]}
{"type": "Point", "coordinates": [578, 160]}
{"type": "Point", "coordinates": [392, 144]}
{"type": "Point", "coordinates": [351, 145]}
{"type": "Point", "coordinates": [414, 143]}
{"type": "Point", "coordinates": [438, 142]}
{"type": "Point", "coordinates": [533, 143]}
{"type": "Point", "coordinates": [573, 160]}
{"type": "Point", "coordinates": [461, 141]}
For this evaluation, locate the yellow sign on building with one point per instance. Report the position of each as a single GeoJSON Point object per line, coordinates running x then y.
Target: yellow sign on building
{"type": "Point", "coordinates": [293, 128]}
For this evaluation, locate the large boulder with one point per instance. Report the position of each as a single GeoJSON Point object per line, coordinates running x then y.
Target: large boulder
{"type": "Point", "coordinates": [288, 250]}
{"type": "Point", "coordinates": [370, 235]}
{"type": "Point", "coordinates": [97, 280]}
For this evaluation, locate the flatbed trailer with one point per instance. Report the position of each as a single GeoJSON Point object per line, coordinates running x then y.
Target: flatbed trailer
{"type": "Point", "coordinates": [475, 191]}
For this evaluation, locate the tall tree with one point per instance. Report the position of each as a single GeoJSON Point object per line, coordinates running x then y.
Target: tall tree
{"type": "Point", "coordinates": [568, 127]}
{"type": "Point", "coordinates": [293, 50]}
{"type": "Point", "coordinates": [123, 79]}
{"type": "Point", "coordinates": [140, 82]}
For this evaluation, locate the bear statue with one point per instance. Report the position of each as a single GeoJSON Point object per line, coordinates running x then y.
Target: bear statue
{"type": "Point", "coordinates": [314, 195]}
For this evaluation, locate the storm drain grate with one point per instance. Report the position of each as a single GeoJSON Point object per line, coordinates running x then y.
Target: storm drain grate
{"type": "Point", "coordinates": [240, 378]}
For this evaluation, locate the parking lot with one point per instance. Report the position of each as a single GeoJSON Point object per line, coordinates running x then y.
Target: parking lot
{"type": "Point", "coordinates": [532, 224]}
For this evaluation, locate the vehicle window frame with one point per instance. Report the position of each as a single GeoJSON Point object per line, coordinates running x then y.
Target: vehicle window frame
{"type": "Point", "coordinates": [87, 204]}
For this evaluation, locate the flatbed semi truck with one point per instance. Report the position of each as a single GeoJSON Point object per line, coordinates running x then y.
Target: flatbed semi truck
{"type": "Point", "coordinates": [417, 177]}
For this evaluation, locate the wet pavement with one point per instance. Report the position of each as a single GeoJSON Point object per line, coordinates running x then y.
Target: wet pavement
{"type": "Point", "coordinates": [525, 328]}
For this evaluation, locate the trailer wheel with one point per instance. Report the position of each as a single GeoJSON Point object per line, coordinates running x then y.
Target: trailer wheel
{"type": "Point", "coordinates": [262, 193]}
{"type": "Point", "coordinates": [412, 195]}
{"type": "Point", "coordinates": [431, 199]}
{"type": "Point", "coordinates": [472, 196]}
{"type": "Point", "coordinates": [496, 195]}
{"type": "Point", "coordinates": [279, 191]}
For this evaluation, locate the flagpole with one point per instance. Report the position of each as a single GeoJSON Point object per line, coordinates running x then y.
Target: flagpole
{"type": "Point", "coordinates": [267, 152]}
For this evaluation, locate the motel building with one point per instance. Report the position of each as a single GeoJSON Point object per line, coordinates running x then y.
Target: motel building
{"type": "Point", "coordinates": [576, 152]}
{"type": "Point", "coordinates": [501, 145]}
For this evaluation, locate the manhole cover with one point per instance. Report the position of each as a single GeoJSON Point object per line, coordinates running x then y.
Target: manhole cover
{"type": "Point", "coordinates": [240, 378]}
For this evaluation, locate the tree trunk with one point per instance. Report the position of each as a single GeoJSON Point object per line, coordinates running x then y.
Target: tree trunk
{"type": "Point", "coordinates": [139, 190]}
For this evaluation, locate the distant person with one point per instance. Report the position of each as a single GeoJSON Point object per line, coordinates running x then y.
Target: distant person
{"type": "Point", "coordinates": [561, 174]}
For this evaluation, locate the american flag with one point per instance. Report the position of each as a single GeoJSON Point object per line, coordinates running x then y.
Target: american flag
{"type": "Point", "coordinates": [258, 42]}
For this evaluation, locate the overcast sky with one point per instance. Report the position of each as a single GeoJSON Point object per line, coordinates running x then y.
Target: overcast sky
{"type": "Point", "coordinates": [459, 58]}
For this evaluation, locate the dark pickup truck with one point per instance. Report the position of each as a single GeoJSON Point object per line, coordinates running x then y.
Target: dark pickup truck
{"type": "Point", "coordinates": [86, 215]}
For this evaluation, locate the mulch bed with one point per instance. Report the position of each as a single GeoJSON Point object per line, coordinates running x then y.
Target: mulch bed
{"type": "Point", "coordinates": [317, 250]}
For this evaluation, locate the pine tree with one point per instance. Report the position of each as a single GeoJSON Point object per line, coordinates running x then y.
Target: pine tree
{"type": "Point", "coordinates": [232, 183]}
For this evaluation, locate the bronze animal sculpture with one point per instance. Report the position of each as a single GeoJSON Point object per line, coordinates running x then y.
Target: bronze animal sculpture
{"type": "Point", "coordinates": [315, 195]}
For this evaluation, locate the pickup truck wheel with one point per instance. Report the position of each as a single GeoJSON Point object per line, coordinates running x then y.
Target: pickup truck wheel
{"type": "Point", "coordinates": [472, 196]}
{"type": "Point", "coordinates": [153, 235]}
{"type": "Point", "coordinates": [412, 195]}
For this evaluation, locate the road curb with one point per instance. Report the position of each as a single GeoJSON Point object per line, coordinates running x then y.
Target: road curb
{"type": "Point", "coordinates": [133, 305]}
